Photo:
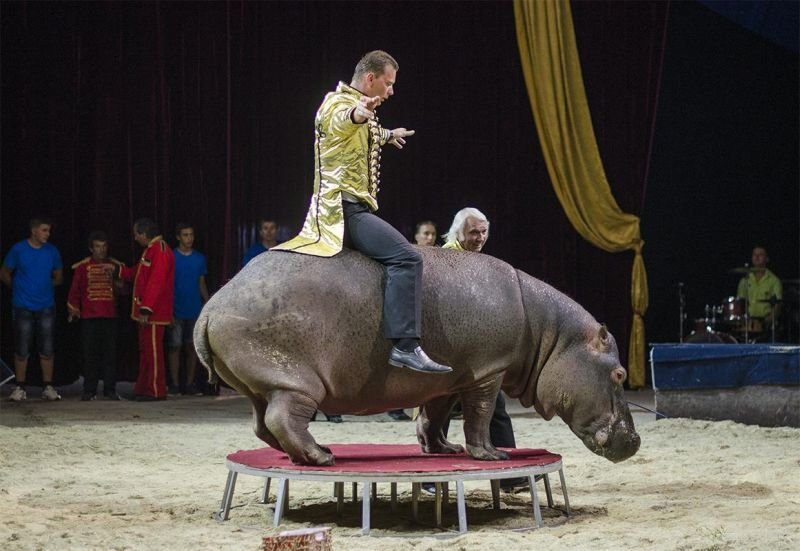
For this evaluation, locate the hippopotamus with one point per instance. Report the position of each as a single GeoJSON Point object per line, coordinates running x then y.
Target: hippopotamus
{"type": "Point", "coordinates": [297, 333]}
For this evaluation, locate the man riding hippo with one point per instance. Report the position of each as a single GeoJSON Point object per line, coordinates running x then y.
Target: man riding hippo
{"type": "Point", "coordinates": [347, 148]}
{"type": "Point", "coordinates": [296, 333]}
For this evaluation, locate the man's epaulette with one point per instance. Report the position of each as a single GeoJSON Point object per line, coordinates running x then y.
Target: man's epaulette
{"type": "Point", "coordinates": [84, 261]}
{"type": "Point", "coordinates": [115, 261]}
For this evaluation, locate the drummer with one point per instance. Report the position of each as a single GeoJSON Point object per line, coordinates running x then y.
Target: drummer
{"type": "Point", "coordinates": [761, 288]}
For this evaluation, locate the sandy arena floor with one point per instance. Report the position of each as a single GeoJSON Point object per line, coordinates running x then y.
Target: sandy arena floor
{"type": "Point", "coordinates": [127, 475]}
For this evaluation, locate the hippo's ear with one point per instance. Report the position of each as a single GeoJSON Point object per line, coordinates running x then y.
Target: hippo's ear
{"type": "Point", "coordinates": [602, 341]}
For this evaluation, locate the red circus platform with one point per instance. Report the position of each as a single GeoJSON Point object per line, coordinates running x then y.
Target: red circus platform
{"type": "Point", "coordinates": [370, 464]}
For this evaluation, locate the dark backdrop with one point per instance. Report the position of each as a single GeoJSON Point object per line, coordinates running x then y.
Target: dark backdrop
{"type": "Point", "coordinates": [204, 111]}
{"type": "Point", "coordinates": [724, 173]}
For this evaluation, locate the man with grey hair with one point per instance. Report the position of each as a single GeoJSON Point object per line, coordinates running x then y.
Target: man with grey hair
{"type": "Point", "coordinates": [469, 231]}
{"type": "Point", "coordinates": [347, 152]}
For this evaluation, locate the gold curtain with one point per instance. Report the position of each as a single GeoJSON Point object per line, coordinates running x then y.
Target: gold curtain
{"type": "Point", "coordinates": [552, 71]}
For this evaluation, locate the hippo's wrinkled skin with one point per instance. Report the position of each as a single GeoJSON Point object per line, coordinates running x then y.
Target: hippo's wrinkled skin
{"type": "Point", "coordinates": [296, 333]}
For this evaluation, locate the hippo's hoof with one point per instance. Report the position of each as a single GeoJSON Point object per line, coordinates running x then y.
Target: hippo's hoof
{"type": "Point", "coordinates": [443, 447]}
{"type": "Point", "coordinates": [486, 454]}
{"type": "Point", "coordinates": [322, 457]}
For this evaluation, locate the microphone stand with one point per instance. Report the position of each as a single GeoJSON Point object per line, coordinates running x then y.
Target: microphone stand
{"type": "Point", "coordinates": [682, 310]}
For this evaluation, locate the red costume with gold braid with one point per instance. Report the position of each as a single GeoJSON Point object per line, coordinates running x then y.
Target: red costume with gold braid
{"type": "Point", "coordinates": [91, 294]}
{"type": "Point", "coordinates": [153, 286]}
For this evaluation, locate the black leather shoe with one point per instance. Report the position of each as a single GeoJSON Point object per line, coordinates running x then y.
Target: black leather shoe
{"type": "Point", "coordinates": [399, 415]}
{"type": "Point", "coordinates": [417, 360]}
{"type": "Point", "coordinates": [517, 485]}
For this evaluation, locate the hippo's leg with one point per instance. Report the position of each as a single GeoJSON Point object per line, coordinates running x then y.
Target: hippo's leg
{"type": "Point", "coordinates": [259, 426]}
{"type": "Point", "coordinates": [258, 403]}
{"type": "Point", "coordinates": [287, 418]}
{"type": "Point", "coordinates": [430, 424]}
{"type": "Point", "coordinates": [478, 406]}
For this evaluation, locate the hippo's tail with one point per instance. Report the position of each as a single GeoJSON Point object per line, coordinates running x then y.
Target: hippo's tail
{"type": "Point", "coordinates": [202, 346]}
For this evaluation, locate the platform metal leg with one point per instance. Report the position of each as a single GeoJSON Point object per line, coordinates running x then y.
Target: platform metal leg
{"type": "Point", "coordinates": [281, 500]}
{"type": "Point", "coordinates": [227, 497]}
{"type": "Point", "coordinates": [462, 507]}
{"type": "Point", "coordinates": [365, 508]}
{"type": "Point", "coordinates": [265, 493]}
{"type": "Point", "coordinates": [394, 496]}
{"type": "Point", "coordinates": [445, 493]}
{"type": "Point", "coordinates": [537, 511]}
{"type": "Point", "coordinates": [496, 494]}
{"type": "Point", "coordinates": [415, 501]}
{"type": "Point", "coordinates": [338, 491]}
{"type": "Point", "coordinates": [548, 490]}
{"type": "Point", "coordinates": [355, 492]}
{"type": "Point", "coordinates": [564, 490]}
{"type": "Point", "coordinates": [374, 496]}
{"type": "Point", "coordinates": [438, 506]}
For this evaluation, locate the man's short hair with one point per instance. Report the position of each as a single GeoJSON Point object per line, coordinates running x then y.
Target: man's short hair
{"type": "Point", "coordinates": [146, 226]}
{"type": "Point", "coordinates": [262, 221]}
{"type": "Point", "coordinates": [374, 62]}
{"type": "Point", "coordinates": [38, 220]}
{"type": "Point", "coordinates": [180, 226]}
{"type": "Point", "coordinates": [456, 232]}
{"type": "Point", "coordinates": [97, 236]}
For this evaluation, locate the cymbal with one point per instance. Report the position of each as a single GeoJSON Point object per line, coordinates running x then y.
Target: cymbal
{"type": "Point", "coordinates": [744, 270]}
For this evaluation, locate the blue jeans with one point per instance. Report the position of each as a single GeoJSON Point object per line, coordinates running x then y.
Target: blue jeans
{"type": "Point", "coordinates": [180, 332]}
{"type": "Point", "coordinates": [25, 322]}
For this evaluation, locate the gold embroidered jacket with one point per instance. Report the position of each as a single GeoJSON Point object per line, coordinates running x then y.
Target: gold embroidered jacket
{"type": "Point", "coordinates": [347, 159]}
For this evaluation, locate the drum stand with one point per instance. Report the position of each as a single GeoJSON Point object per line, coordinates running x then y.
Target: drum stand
{"type": "Point", "coordinates": [710, 319]}
{"type": "Point", "coordinates": [746, 308]}
{"type": "Point", "coordinates": [773, 302]}
{"type": "Point", "coordinates": [773, 325]}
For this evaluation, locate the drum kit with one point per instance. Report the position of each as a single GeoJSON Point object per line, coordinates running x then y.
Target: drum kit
{"type": "Point", "coordinates": [729, 322]}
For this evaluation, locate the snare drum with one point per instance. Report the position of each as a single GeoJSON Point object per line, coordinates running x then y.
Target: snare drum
{"type": "Point", "coordinates": [732, 309]}
{"type": "Point", "coordinates": [702, 325]}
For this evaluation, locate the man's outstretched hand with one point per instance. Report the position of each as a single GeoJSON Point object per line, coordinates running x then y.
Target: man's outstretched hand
{"type": "Point", "coordinates": [365, 110]}
{"type": "Point", "coordinates": [398, 137]}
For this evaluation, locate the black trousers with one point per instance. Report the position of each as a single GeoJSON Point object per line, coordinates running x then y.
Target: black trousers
{"type": "Point", "coordinates": [99, 340]}
{"type": "Point", "coordinates": [501, 432]}
{"type": "Point", "coordinates": [377, 239]}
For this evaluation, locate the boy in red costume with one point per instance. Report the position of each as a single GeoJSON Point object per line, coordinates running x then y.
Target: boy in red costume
{"type": "Point", "coordinates": [93, 300]}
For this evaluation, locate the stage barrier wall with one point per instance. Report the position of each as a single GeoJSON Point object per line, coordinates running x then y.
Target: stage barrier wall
{"type": "Point", "coordinates": [749, 383]}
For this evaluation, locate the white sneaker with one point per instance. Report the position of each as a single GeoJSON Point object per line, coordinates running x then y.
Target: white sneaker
{"type": "Point", "coordinates": [18, 395]}
{"type": "Point", "coordinates": [49, 393]}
